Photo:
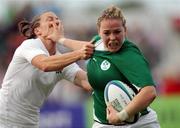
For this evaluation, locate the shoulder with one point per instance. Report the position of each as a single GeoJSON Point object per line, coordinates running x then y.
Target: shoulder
{"type": "Point", "coordinates": [129, 47]}
{"type": "Point", "coordinates": [129, 44]}
{"type": "Point", "coordinates": [130, 50]}
{"type": "Point", "coordinates": [30, 43]}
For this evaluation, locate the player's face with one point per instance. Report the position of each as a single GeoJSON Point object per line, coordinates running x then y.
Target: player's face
{"type": "Point", "coordinates": [112, 33]}
{"type": "Point", "coordinates": [46, 23]}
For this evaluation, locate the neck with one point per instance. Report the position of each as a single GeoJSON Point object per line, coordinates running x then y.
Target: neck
{"type": "Point", "coordinates": [50, 46]}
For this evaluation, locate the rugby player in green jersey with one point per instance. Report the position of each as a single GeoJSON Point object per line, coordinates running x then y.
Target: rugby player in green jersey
{"type": "Point", "coordinates": [117, 58]}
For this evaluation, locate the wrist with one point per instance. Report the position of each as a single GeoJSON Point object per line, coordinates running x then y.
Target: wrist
{"type": "Point", "coordinates": [123, 115]}
{"type": "Point", "coordinates": [61, 40]}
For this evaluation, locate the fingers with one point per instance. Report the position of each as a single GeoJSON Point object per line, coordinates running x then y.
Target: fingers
{"type": "Point", "coordinates": [87, 50]}
{"type": "Point", "coordinates": [107, 111]}
{"type": "Point", "coordinates": [55, 31]}
{"type": "Point", "coordinates": [110, 108]}
{"type": "Point", "coordinates": [86, 54]}
{"type": "Point", "coordinates": [89, 47]}
{"type": "Point", "coordinates": [111, 114]}
{"type": "Point", "coordinates": [50, 30]}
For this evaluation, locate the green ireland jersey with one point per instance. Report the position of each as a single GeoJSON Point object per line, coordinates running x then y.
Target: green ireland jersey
{"type": "Point", "coordinates": [127, 65]}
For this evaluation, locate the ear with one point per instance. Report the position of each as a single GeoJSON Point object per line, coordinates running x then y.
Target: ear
{"type": "Point", "coordinates": [37, 31]}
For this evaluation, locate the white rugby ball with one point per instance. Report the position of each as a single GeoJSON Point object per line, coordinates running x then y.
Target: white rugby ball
{"type": "Point", "coordinates": [119, 95]}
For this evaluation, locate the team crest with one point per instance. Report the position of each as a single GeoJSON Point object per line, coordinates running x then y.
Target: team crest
{"type": "Point", "coordinates": [105, 65]}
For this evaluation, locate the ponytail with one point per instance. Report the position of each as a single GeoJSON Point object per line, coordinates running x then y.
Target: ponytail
{"type": "Point", "coordinates": [27, 28]}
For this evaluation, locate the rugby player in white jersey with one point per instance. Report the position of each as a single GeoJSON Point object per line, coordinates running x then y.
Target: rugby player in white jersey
{"type": "Point", "coordinates": [35, 69]}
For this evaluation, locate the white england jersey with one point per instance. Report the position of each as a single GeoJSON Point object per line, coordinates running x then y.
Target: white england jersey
{"type": "Point", "coordinates": [25, 87]}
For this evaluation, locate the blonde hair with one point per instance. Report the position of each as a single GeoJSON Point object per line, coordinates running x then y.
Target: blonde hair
{"type": "Point", "coordinates": [112, 12]}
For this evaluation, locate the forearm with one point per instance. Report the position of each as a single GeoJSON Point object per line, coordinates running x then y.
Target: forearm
{"type": "Point", "coordinates": [82, 81]}
{"type": "Point", "coordinates": [72, 44]}
{"type": "Point", "coordinates": [141, 101]}
{"type": "Point", "coordinates": [56, 62]}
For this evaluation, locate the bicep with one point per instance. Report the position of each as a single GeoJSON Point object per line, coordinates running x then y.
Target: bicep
{"type": "Point", "coordinates": [39, 61]}
{"type": "Point", "coordinates": [147, 93]}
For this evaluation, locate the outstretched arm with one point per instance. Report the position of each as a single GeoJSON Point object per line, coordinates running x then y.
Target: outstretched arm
{"type": "Point", "coordinates": [58, 62]}
{"type": "Point", "coordinates": [73, 44]}
{"type": "Point", "coordinates": [76, 44]}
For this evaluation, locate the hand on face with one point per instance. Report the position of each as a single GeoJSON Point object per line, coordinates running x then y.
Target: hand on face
{"type": "Point", "coordinates": [112, 115]}
{"type": "Point", "coordinates": [55, 31]}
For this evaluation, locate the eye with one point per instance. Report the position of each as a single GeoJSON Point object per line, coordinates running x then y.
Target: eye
{"type": "Point", "coordinates": [117, 31]}
{"type": "Point", "coordinates": [106, 33]}
{"type": "Point", "coordinates": [50, 19]}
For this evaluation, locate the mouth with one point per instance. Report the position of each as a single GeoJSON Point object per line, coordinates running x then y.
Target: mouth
{"type": "Point", "coordinates": [113, 45]}
{"type": "Point", "coordinates": [50, 25]}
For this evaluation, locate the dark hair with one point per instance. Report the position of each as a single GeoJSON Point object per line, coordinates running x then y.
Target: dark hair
{"type": "Point", "coordinates": [26, 28]}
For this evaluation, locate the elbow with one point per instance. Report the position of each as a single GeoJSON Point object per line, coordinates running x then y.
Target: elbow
{"type": "Point", "coordinates": [44, 68]}
{"type": "Point", "coordinates": [49, 68]}
{"type": "Point", "coordinates": [152, 94]}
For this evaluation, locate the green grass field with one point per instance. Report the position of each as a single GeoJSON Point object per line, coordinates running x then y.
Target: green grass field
{"type": "Point", "coordinates": [167, 108]}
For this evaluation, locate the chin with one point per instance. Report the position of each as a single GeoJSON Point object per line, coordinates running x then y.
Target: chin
{"type": "Point", "coordinates": [113, 50]}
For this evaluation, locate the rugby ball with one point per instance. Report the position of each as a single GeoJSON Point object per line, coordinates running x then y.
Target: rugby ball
{"type": "Point", "coordinates": [119, 95]}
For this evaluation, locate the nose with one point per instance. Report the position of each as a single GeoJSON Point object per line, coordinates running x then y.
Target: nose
{"type": "Point", "coordinates": [112, 37]}
{"type": "Point", "coordinates": [58, 22]}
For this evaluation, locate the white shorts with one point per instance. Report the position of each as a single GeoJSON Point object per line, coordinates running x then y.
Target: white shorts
{"type": "Point", "coordinates": [147, 121]}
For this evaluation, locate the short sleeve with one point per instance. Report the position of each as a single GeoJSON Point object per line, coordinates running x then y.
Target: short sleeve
{"type": "Point", "coordinates": [31, 48]}
{"type": "Point", "coordinates": [134, 67]}
{"type": "Point", "coordinates": [138, 71]}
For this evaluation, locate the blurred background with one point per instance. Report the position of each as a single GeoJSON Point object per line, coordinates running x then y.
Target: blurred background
{"type": "Point", "coordinates": [153, 25]}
